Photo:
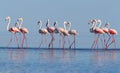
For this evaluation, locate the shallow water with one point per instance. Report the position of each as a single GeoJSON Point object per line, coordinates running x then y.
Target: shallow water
{"type": "Point", "coordinates": [59, 61]}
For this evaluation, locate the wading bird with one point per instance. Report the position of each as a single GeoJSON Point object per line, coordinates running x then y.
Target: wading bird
{"type": "Point", "coordinates": [13, 30]}
{"type": "Point", "coordinates": [96, 30]}
{"type": "Point", "coordinates": [72, 32]}
{"type": "Point", "coordinates": [43, 32]}
{"type": "Point", "coordinates": [112, 32]}
{"type": "Point", "coordinates": [24, 31]}
{"type": "Point", "coordinates": [59, 30]}
{"type": "Point", "coordinates": [51, 31]}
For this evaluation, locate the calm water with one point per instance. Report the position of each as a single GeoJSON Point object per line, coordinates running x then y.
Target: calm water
{"type": "Point", "coordinates": [59, 61]}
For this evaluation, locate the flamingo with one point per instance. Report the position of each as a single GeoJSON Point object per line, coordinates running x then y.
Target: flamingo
{"type": "Point", "coordinates": [96, 30]}
{"type": "Point", "coordinates": [65, 33]}
{"type": "Point", "coordinates": [74, 33]}
{"type": "Point", "coordinates": [13, 30]}
{"type": "Point", "coordinates": [59, 30]}
{"type": "Point", "coordinates": [23, 30]}
{"type": "Point", "coordinates": [42, 31]}
{"type": "Point", "coordinates": [51, 31]}
{"type": "Point", "coordinates": [111, 32]}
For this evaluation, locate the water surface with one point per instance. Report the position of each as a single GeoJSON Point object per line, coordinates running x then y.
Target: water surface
{"type": "Point", "coordinates": [59, 61]}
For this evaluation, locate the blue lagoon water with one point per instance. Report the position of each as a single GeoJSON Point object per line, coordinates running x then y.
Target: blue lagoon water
{"type": "Point", "coordinates": [59, 61]}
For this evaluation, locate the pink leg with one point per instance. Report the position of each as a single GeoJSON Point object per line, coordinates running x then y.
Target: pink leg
{"type": "Point", "coordinates": [108, 40]}
{"type": "Point", "coordinates": [74, 41]}
{"type": "Point", "coordinates": [60, 40]}
{"type": "Point", "coordinates": [63, 42]}
{"type": "Point", "coordinates": [52, 40]}
{"type": "Point", "coordinates": [17, 40]}
{"type": "Point", "coordinates": [46, 41]}
{"type": "Point", "coordinates": [10, 40]}
{"type": "Point", "coordinates": [96, 42]}
{"type": "Point", "coordinates": [68, 41]}
{"type": "Point", "coordinates": [23, 40]}
{"type": "Point", "coordinates": [41, 42]}
{"type": "Point", "coordinates": [113, 41]}
{"type": "Point", "coordinates": [93, 44]}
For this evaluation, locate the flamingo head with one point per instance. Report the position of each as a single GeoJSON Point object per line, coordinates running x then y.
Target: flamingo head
{"type": "Point", "coordinates": [55, 23]}
{"type": "Point", "coordinates": [39, 22]}
{"type": "Point", "coordinates": [47, 23]}
{"type": "Point", "coordinates": [7, 18]}
{"type": "Point", "coordinates": [107, 24]}
{"type": "Point", "coordinates": [92, 21]}
{"type": "Point", "coordinates": [20, 19]}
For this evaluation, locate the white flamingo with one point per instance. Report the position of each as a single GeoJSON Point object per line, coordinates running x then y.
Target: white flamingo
{"type": "Point", "coordinates": [13, 30]}
{"type": "Point", "coordinates": [74, 33]}
{"type": "Point", "coordinates": [59, 30]}
{"type": "Point", "coordinates": [24, 31]}
{"type": "Point", "coordinates": [51, 31]}
{"type": "Point", "coordinates": [43, 32]}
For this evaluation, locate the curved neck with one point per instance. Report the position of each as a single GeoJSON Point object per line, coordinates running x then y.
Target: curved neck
{"type": "Point", "coordinates": [99, 25]}
{"type": "Point", "coordinates": [48, 23]}
{"type": "Point", "coordinates": [40, 25]}
{"type": "Point", "coordinates": [9, 20]}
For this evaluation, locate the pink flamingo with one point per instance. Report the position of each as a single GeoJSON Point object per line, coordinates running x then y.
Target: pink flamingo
{"type": "Point", "coordinates": [13, 30]}
{"type": "Point", "coordinates": [43, 32]}
{"type": "Point", "coordinates": [74, 33]}
{"type": "Point", "coordinates": [51, 31]}
{"type": "Point", "coordinates": [112, 32]}
{"type": "Point", "coordinates": [59, 30]}
{"type": "Point", "coordinates": [65, 33]}
{"type": "Point", "coordinates": [96, 30]}
{"type": "Point", "coordinates": [23, 30]}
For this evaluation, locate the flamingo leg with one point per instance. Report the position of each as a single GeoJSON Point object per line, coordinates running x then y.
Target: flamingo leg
{"type": "Point", "coordinates": [68, 40]}
{"type": "Point", "coordinates": [113, 41]}
{"type": "Point", "coordinates": [103, 41]}
{"type": "Point", "coordinates": [96, 41]}
{"type": "Point", "coordinates": [17, 40]}
{"type": "Point", "coordinates": [74, 42]}
{"type": "Point", "coordinates": [63, 42]}
{"type": "Point", "coordinates": [108, 40]}
{"type": "Point", "coordinates": [45, 41]}
{"type": "Point", "coordinates": [11, 38]}
{"type": "Point", "coordinates": [41, 42]}
{"type": "Point", "coordinates": [60, 40]}
{"type": "Point", "coordinates": [23, 40]}
{"type": "Point", "coordinates": [26, 40]}
{"type": "Point", "coordinates": [52, 40]}
{"type": "Point", "coordinates": [93, 44]}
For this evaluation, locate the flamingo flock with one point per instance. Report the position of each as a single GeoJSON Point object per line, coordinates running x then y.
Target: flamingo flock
{"type": "Point", "coordinates": [103, 35]}
{"type": "Point", "coordinates": [98, 30]}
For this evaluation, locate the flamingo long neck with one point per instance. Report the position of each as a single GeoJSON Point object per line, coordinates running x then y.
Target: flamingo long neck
{"type": "Point", "coordinates": [9, 20]}
{"type": "Point", "coordinates": [69, 27]}
{"type": "Point", "coordinates": [99, 24]}
{"type": "Point", "coordinates": [107, 26]}
{"type": "Point", "coordinates": [40, 25]}
{"type": "Point", "coordinates": [93, 25]}
{"type": "Point", "coordinates": [48, 23]}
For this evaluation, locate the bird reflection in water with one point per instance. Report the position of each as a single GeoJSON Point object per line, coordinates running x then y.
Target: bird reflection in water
{"type": "Point", "coordinates": [17, 54]}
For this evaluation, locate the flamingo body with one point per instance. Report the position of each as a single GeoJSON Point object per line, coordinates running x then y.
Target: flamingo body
{"type": "Point", "coordinates": [73, 32]}
{"type": "Point", "coordinates": [112, 31]}
{"type": "Point", "coordinates": [24, 30]}
{"type": "Point", "coordinates": [99, 31]}
{"type": "Point", "coordinates": [43, 31]}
